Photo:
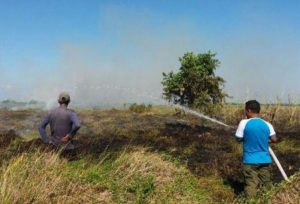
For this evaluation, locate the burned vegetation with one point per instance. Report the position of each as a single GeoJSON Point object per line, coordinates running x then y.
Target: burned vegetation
{"type": "Point", "coordinates": [129, 156]}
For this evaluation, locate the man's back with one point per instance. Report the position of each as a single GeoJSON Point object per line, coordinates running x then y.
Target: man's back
{"type": "Point", "coordinates": [60, 122]}
{"type": "Point", "coordinates": [256, 134]}
{"type": "Point", "coordinates": [63, 123]}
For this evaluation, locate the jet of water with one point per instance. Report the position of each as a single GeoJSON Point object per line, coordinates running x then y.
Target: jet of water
{"type": "Point", "coordinates": [201, 115]}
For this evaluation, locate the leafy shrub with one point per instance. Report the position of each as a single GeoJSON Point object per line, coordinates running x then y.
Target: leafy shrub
{"type": "Point", "coordinates": [195, 84]}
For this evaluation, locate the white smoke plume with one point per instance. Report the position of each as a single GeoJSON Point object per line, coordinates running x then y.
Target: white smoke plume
{"type": "Point", "coordinates": [126, 69]}
{"type": "Point", "coordinates": [125, 64]}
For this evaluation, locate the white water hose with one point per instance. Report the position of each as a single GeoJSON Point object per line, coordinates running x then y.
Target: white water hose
{"type": "Point", "coordinates": [278, 164]}
{"type": "Point", "coordinates": [185, 109]}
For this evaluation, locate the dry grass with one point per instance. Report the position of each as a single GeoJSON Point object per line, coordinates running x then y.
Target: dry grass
{"type": "Point", "coordinates": [157, 156]}
{"type": "Point", "coordinates": [283, 117]}
{"type": "Point", "coordinates": [170, 183]}
{"type": "Point", "coordinates": [39, 178]}
{"type": "Point", "coordinates": [288, 193]}
{"type": "Point", "coordinates": [285, 192]}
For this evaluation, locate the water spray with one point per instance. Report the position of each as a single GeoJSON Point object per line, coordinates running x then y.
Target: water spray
{"type": "Point", "coordinates": [187, 110]}
{"type": "Point", "coordinates": [201, 115]}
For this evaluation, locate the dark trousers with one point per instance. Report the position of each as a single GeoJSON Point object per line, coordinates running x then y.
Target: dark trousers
{"type": "Point", "coordinates": [256, 177]}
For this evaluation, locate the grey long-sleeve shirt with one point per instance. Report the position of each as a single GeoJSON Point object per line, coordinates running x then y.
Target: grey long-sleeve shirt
{"type": "Point", "coordinates": [62, 122]}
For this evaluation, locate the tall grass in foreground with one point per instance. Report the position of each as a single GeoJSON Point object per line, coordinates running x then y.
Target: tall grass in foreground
{"type": "Point", "coordinates": [134, 176]}
{"type": "Point", "coordinates": [39, 178]}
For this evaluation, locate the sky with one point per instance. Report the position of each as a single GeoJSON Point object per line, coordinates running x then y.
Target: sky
{"type": "Point", "coordinates": [110, 52]}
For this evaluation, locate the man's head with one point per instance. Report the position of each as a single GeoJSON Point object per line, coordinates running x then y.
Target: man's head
{"type": "Point", "coordinates": [252, 108]}
{"type": "Point", "coordinates": [64, 98]}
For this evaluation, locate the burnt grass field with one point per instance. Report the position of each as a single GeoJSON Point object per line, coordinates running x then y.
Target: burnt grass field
{"type": "Point", "coordinates": [207, 151]}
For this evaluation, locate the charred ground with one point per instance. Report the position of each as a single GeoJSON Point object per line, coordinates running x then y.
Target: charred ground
{"type": "Point", "coordinates": [205, 149]}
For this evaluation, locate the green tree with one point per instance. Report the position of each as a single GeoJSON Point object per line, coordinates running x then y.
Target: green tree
{"type": "Point", "coordinates": [196, 84]}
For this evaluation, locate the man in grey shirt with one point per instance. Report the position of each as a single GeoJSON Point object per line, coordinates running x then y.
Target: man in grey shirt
{"type": "Point", "coordinates": [64, 124]}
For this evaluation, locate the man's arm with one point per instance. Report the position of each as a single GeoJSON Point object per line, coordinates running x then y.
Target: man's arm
{"type": "Point", "coordinates": [273, 139]}
{"type": "Point", "coordinates": [75, 125]}
{"type": "Point", "coordinates": [42, 130]}
{"type": "Point", "coordinates": [239, 135]}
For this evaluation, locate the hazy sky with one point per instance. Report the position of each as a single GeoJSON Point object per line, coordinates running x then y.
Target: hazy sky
{"type": "Point", "coordinates": [115, 51]}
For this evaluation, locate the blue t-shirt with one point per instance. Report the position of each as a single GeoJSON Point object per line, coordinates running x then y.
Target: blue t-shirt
{"type": "Point", "coordinates": [255, 133]}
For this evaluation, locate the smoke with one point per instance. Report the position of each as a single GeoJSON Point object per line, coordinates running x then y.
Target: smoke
{"type": "Point", "coordinates": [262, 65]}
{"type": "Point", "coordinates": [124, 64]}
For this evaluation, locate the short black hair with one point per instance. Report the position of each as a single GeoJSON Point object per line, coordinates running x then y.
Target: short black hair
{"type": "Point", "coordinates": [64, 100]}
{"type": "Point", "coordinates": [253, 105]}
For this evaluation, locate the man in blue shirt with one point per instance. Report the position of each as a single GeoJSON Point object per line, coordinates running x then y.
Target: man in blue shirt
{"type": "Point", "coordinates": [64, 124]}
{"type": "Point", "coordinates": [256, 134]}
